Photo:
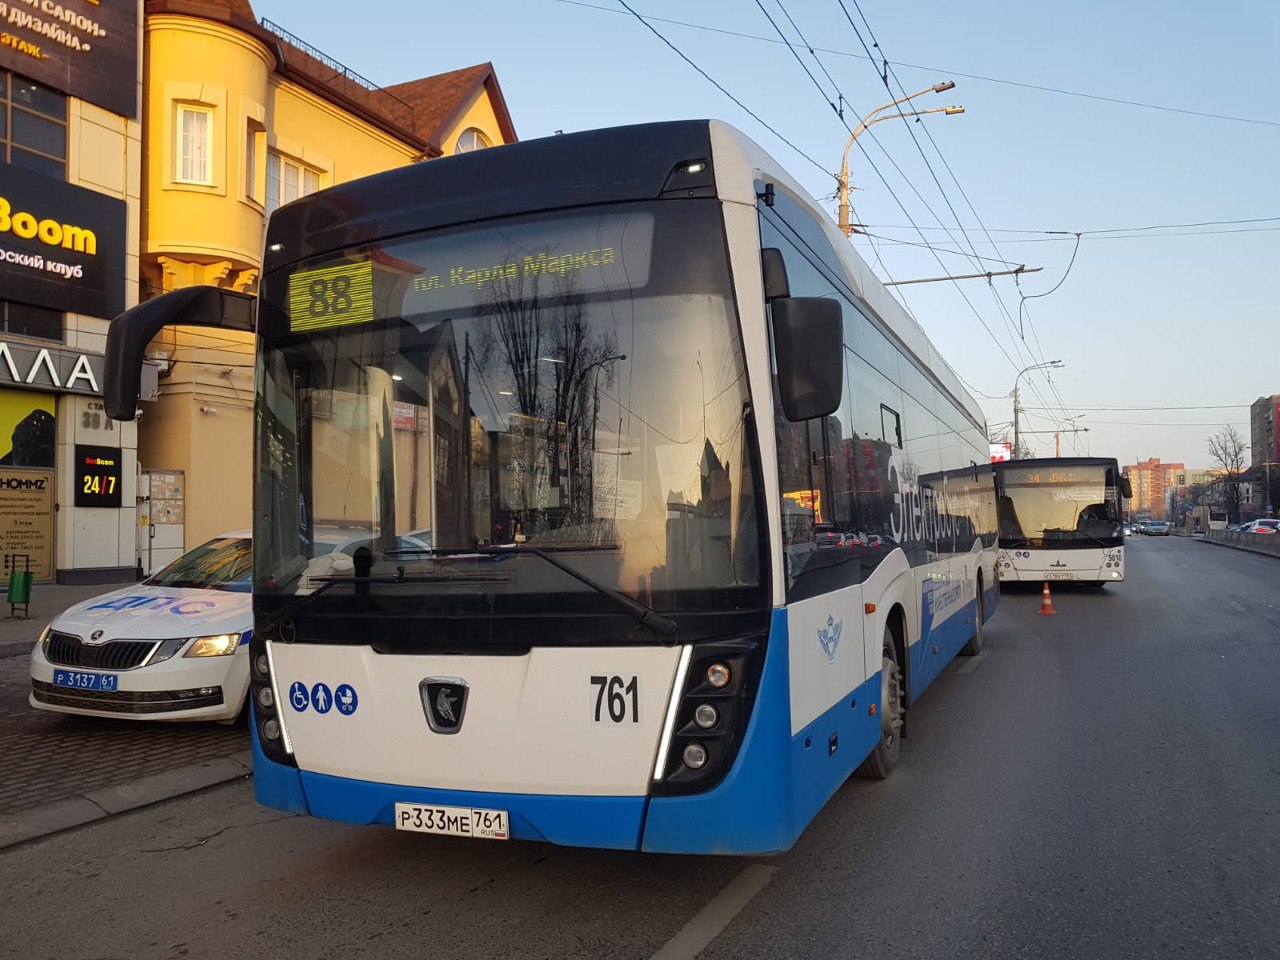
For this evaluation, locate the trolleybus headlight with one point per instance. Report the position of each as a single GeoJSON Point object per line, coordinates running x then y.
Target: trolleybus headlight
{"type": "Point", "coordinates": [694, 756]}
{"type": "Point", "coordinates": [271, 729]}
{"type": "Point", "coordinates": [262, 666]}
{"type": "Point", "coordinates": [718, 675]}
{"type": "Point", "coordinates": [266, 699]}
{"type": "Point", "coordinates": [706, 716]}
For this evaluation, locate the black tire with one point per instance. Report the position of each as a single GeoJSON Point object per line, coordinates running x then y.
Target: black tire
{"type": "Point", "coordinates": [974, 646]}
{"type": "Point", "coordinates": [891, 711]}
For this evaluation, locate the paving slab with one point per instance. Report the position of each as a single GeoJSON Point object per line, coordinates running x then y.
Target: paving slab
{"type": "Point", "coordinates": [59, 770]}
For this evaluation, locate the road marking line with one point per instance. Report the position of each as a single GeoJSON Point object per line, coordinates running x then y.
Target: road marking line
{"type": "Point", "coordinates": [697, 934]}
{"type": "Point", "coordinates": [974, 663]}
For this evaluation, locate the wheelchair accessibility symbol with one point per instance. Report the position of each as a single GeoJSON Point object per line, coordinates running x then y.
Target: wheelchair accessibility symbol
{"type": "Point", "coordinates": [298, 696]}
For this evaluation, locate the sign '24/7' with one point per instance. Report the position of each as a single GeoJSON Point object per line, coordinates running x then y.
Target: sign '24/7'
{"type": "Point", "coordinates": [98, 476]}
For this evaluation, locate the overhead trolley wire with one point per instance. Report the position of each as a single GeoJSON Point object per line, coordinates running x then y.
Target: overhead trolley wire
{"type": "Point", "coordinates": [981, 320]}
{"type": "Point", "coordinates": [1003, 310]}
{"type": "Point", "coordinates": [676, 50]}
{"type": "Point", "coordinates": [1020, 330]}
{"type": "Point", "coordinates": [955, 73]}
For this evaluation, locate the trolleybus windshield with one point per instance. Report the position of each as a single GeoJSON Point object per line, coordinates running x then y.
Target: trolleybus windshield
{"type": "Point", "coordinates": [1068, 506]}
{"type": "Point", "coordinates": [572, 382]}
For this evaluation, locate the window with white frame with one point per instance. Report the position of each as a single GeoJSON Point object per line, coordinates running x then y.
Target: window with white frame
{"type": "Point", "coordinates": [194, 161]}
{"type": "Point", "coordinates": [288, 180]}
{"type": "Point", "coordinates": [471, 139]}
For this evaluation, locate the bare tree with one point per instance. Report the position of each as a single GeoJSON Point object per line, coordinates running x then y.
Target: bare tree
{"type": "Point", "coordinates": [1229, 452]}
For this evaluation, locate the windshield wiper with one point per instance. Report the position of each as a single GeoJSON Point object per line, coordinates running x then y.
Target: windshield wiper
{"type": "Point", "coordinates": [327, 583]}
{"type": "Point", "coordinates": [1097, 540]}
{"type": "Point", "coordinates": [646, 615]}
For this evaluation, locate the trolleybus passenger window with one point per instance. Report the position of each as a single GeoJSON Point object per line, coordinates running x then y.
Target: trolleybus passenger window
{"type": "Point", "coordinates": [890, 426]}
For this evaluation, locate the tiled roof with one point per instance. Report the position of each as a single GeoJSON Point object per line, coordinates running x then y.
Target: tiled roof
{"type": "Point", "coordinates": [423, 110]}
{"type": "Point", "coordinates": [438, 102]}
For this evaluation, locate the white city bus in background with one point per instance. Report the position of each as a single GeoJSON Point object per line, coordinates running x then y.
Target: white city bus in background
{"type": "Point", "coordinates": [1061, 519]}
{"type": "Point", "coordinates": [699, 511]}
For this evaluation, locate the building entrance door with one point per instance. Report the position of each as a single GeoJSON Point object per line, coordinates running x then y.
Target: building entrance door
{"type": "Point", "coordinates": [161, 518]}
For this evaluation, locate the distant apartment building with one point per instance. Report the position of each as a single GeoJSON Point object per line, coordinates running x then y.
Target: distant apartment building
{"type": "Point", "coordinates": [1264, 439]}
{"type": "Point", "coordinates": [1151, 482]}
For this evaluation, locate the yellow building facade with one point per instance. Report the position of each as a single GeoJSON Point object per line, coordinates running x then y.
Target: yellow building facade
{"type": "Point", "coordinates": [239, 117]}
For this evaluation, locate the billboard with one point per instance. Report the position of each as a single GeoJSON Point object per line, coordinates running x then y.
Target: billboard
{"type": "Point", "coordinates": [86, 48]}
{"type": "Point", "coordinates": [1000, 452]}
{"type": "Point", "coordinates": [28, 431]}
{"type": "Point", "coordinates": [61, 247]}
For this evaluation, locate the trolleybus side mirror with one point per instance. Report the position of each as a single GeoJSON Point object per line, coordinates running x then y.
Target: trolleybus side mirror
{"type": "Point", "coordinates": [1126, 491]}
{"type": "Point", "coordinates": [775, 274]}
{"type": "Point", "coordinates": [129, 334]}
{"type": "Point", "coordinates": [808, 341]}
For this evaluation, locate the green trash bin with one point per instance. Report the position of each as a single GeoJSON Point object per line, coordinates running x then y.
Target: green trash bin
{"type": "Point", "coordinates": [20, 586]}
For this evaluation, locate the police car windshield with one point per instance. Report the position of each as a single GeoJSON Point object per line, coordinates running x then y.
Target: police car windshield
{"type": "Point", "coordinates": [224, 563]}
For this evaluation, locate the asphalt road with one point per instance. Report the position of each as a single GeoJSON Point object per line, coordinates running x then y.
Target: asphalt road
{"type": "Point", "coordinates": [1100, 784]}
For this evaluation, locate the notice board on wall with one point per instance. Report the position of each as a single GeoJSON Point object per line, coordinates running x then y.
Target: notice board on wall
{"type": "Point", "coordinates": [26, 521]}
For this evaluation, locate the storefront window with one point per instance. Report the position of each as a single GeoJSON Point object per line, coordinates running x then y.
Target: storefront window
{"type": "Point", "coordinates": [25, 320]}
{"type": "Point", "coordinates": [33, 126]}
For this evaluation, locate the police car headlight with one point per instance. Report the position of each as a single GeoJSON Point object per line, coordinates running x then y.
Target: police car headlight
{"type": "Point", "coordinates": [44, 635]}
{"type": "Point", "coordinates": [219, 646]}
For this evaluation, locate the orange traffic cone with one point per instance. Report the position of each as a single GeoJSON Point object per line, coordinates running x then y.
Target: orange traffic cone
{"type": "Point", "coordinates": [1046, 602]}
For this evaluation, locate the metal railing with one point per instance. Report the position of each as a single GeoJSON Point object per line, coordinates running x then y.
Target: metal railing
{"type": "Point", "coordinates": [341, 77]}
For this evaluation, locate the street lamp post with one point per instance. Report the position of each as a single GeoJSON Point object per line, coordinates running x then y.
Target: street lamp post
{"type": "Point", "coordinates": [870, 120]}
{"type": "Point", "coordinates": [1053, 364]}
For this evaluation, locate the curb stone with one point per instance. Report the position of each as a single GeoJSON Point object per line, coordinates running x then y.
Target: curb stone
{"type": "Point", "coordinates": [14, 648]}
{"type": "Point", "coordinates": [25, 825]}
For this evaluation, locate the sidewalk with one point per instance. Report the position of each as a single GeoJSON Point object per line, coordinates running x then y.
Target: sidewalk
{"type": "Point", "coordinates": [59, 771]}
{"type": "Point", "coordinates": [47, 601]}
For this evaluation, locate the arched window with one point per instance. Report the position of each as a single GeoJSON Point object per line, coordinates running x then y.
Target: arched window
{"type": "Point", "coordinates": [471, 139]}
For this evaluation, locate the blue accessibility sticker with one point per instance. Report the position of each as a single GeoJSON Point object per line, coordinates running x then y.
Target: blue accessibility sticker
{"type": "Point", "coordinates": [298, 698]}
{"type": "Point", "coordinates": [321, 698]}
{"type": "Point", "coordinates": [345, 698]}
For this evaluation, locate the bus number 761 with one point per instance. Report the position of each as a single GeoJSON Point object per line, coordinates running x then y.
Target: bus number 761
{"type": "Point", "coordinates": [615, 703]}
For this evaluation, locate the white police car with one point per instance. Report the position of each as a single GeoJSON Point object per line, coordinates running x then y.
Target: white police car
{"type": "Point", "coordinates": [174, 647]}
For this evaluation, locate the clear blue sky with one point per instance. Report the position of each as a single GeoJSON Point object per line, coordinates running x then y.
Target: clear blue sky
{"type": "Point", "coordinates": [1158, 321]}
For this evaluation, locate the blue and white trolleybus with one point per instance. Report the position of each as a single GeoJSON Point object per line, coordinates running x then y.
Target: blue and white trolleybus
{"type": "Point", "coordinates": [666, 511]}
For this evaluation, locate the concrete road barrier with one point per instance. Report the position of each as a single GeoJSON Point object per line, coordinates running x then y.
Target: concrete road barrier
{"type": "Point", "coordinates": [1268, 543]}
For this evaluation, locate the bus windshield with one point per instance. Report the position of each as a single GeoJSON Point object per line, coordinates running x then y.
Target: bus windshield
{"type": "Point", "coordinates": [572, 382]}
{"type": "Point", "coordinates": [1063, 506]}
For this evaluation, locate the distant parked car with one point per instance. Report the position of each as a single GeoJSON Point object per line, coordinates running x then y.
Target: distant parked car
{"type": "Point", "coordinates": [1157, 528]}
{"type": "Point", "coordinates": [1260, 526]}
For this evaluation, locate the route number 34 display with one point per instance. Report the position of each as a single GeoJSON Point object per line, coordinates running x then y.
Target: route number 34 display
{"type": "Point", "coordinates": [617, 699]}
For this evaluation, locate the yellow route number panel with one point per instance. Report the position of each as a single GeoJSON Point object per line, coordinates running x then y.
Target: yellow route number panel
{"type": "Point", "coordinates": [331, 297]}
